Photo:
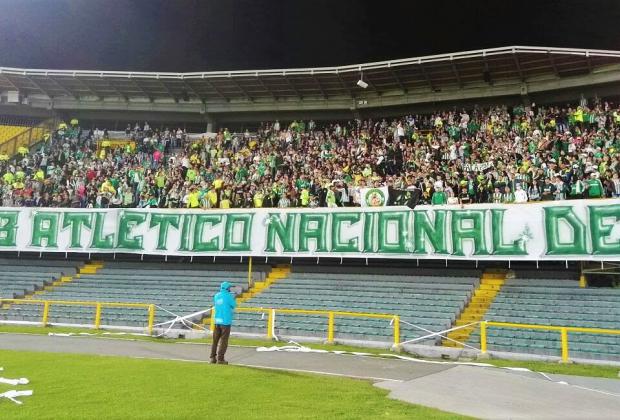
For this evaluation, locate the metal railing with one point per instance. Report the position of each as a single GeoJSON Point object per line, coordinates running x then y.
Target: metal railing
{"type": "Point", "coordinates": [47, 304]}
{"type": "Point", "coordinates": [331, 319]}
{"type": "Point", "coordinates": [562, 330]}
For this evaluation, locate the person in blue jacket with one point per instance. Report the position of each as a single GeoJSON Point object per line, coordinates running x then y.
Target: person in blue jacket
{"type": "Point", "coordinates": [224, 305]}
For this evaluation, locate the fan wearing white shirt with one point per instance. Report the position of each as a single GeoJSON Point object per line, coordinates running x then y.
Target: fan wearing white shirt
{"type": "Point", "coordinates": [520, 194]}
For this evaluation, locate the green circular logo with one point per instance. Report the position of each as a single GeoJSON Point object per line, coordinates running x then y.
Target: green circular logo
{"type": "Point", "coordinates": [374, 198]}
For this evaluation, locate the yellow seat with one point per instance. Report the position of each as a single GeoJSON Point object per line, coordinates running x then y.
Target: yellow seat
{"type": "Point", "coordinates": [7, 132]}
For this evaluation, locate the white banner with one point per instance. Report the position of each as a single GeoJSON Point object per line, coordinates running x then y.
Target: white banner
{"type": "Point", "coordinates": [477, 167]}
{"type": "Point", "coordinates": [374, 197]}
{"type": "Point", "coordinates": [562, 230]}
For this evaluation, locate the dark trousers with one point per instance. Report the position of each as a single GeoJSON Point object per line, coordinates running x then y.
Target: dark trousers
{"type": "Point", "coordinates": [220, 336]}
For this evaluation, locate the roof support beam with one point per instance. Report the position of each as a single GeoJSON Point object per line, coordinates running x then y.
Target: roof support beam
{"type": "Point", "coordinates": [168, 91]}
{"type": "Point", "coordinates": [427, 78]}
{"type": "Point", "coordinates": [487, 73]}
{"type": "Point", "coordinates": [111, 85]}
{"type": "Point", "coordinates": [553, 65]}
{"type": "Point", "coordinates": [88, 88]}
{"type": "Point", "coordinates": [400, 83]}
{"type": "Point", "coordinates": [344, 85]}
{"type": "Point", "coordinates": [219, 92]}
{"type": "Point", "coordinates": [194, 91]}
{"type": "Point", "coordinates": [589, 63]}
{"type": "Point", "coordinates": [518, 65]}
{"type": "Point", "coordinates": [38, 86]}
{"type": "Point", "coordinates": [141, 89]}
{"type": "Point", "coordinates": [67, 91]}
{"type": "Point", "coordinates": [245, 92]}
{"type": "Point", "coordinates": [269, 91]}
{"type": "Point", "coordinates": [290, 83]}
{"type": "Point", "coordinates": [12, 83]}
{"type": "Point", "coordinates": [456, 74]}
{"type": "Point", "coordinates": [318, 83]}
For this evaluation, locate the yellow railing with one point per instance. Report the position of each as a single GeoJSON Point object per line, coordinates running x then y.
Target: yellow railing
{"type": "Point", "coordinates": [331, 317]}
{"type": "Point", "coordinates": [98, 308]}
{"type": "Point", "coordinates": [562, 330]}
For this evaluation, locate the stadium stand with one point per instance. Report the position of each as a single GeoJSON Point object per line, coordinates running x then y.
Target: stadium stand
{"type": "Point", "coordinates": [504, 153]}
{"type": "Point", "coordinates": [545, 299]}
{"type": "Point", "coordinates": [178, 288]}
{"type": "Point", "coordinates": [430, 299]}
{"type": "Point", "coordinates": [19, 278]}
{"type": "Point", "coordinates": [499, 154]}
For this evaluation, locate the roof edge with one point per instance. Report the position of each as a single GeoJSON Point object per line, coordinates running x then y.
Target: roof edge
{"type": "Point", "coordinates": [316, 70]}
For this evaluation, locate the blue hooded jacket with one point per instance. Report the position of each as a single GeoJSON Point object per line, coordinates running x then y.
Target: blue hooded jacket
{"type": "Point", "coordinates": [225, 304]}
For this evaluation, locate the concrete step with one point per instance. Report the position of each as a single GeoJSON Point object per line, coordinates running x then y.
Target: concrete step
{"type": "Point", "coordinates": [478, 305]}
{"type": "Point", "coordinates": [490, 287]}
{"type": "Point", "coordinates": [464, 320]}
{"type": "Point", "coordinates": [474, 311]}
{"type": "Point", "coordinates": [453, 344]}
{"type": "Point", "coordinates": [498, 282]}
{"type": "Point", "coordinates": [459, 336]}
{"type": "Point", "coordinates": [492, 276]}
{"type": "Point", "coordinates": [465, 330]}
{"type": "Point", "coordinates": [485, 293]}
{"type": "Point", "coordinates": [482, 300]}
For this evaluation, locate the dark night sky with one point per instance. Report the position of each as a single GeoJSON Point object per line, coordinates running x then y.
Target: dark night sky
{"type": "Point", "coordinates": [184, 35]}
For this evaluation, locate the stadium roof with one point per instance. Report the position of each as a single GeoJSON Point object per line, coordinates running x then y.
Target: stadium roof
{"type": "Point", "coordinates": [435, 73]}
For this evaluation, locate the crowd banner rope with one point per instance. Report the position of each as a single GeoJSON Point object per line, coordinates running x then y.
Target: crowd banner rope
{"type": "Point", "coordinates": [557, 230]}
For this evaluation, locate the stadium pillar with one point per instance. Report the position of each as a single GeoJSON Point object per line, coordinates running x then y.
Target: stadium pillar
{"type": "Point", "coordinates": [483, 337]}
{"type": "Point", "coordinates": [249, 272]}
{"type": "Point", "coordinates": [151, 318]}
{"type": "Point", "coordinates": [396, 331]}
{"type": "Point", "coordinates": [270, 323]}
{"type": "Point", "coordinates": [330, 328]}
{"type": "Point", "coordinates": [98, 316]}
{"type": "Point", "coordinates": [211, 124]}
{"type": "Point", "coordinates": [564, 341]}
{"type": "Point", "coordinates": [582, 280]}
{"type": "Point", "coordinates": [46, 312]}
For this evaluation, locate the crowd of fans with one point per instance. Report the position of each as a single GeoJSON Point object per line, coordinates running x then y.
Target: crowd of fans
{"type": "Point", "coordinates": [496, 155]}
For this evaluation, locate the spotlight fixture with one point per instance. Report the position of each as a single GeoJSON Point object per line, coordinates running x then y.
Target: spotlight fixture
{"type": "Point", "coordinates": [361, 82]}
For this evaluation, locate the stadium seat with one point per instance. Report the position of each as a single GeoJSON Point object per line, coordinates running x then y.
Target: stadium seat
{"type": "Point", "coordinates": [553, 301]}
{"type": "Point", "coordinates": [178, 288]}
{"type": "Point", "coordinates": [425, 298]}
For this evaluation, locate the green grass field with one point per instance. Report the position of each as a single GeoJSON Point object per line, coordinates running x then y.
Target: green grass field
{"type": "Point", "coordinates": [80, 386]}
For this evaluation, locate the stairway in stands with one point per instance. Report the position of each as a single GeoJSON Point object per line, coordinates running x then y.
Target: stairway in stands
{"type": "Point", "coordinates": [88, 268]}
{"type": "Point", "coordinates": [491, 283]}
{"type": "Point", "coordinates": [277, 273]}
